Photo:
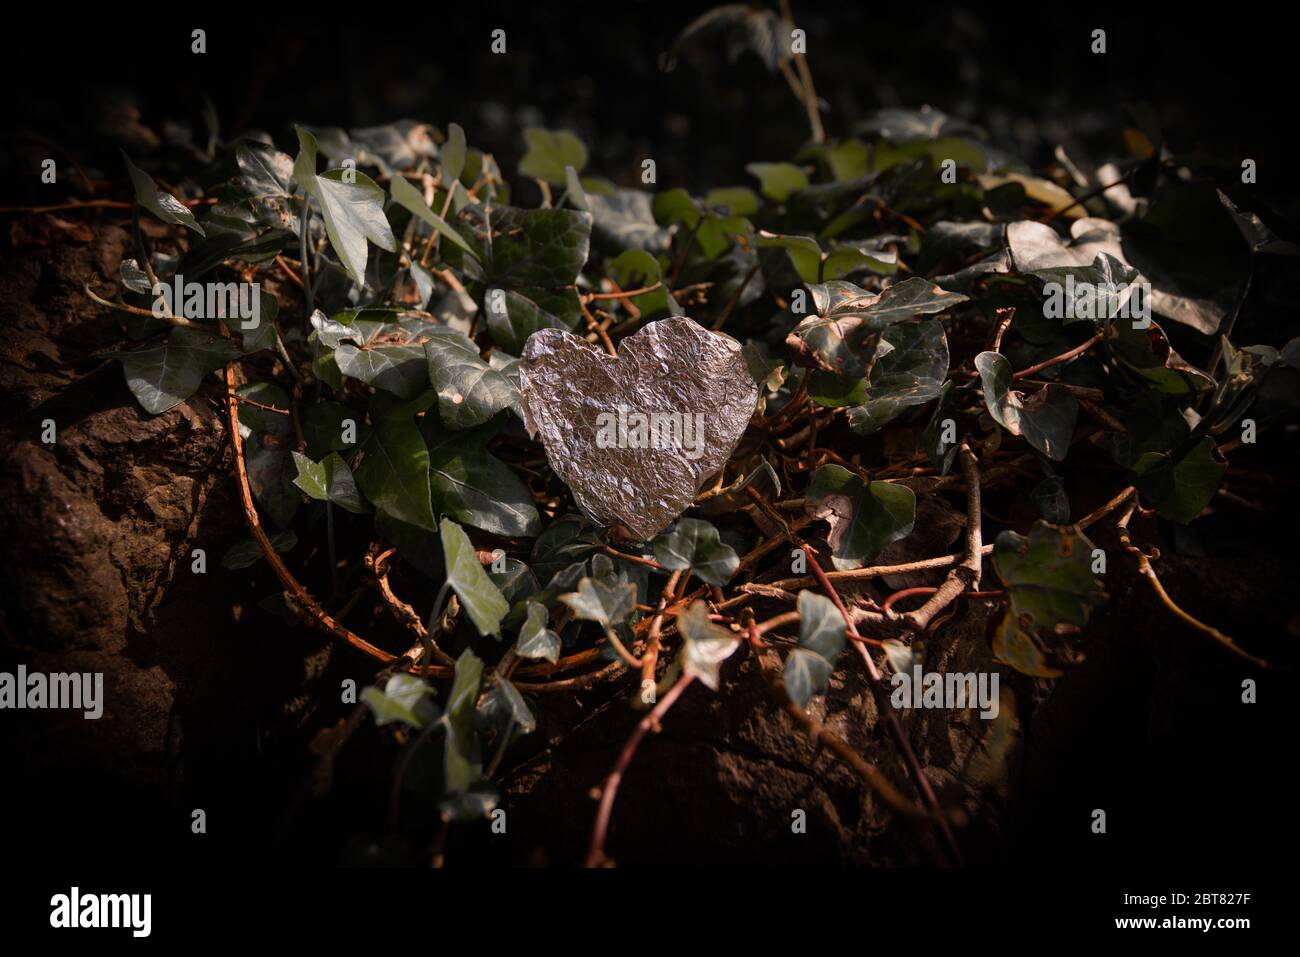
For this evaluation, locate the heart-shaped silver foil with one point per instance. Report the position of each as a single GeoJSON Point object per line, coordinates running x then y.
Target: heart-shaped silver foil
{"type": "Point", "coordinates": [635, 436]}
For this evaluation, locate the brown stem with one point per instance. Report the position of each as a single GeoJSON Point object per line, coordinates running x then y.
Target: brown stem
{"type": "Point", "coordinates": [596, 852]}
{"type": "Point", "coordinates": [821, 736]}
{"type": "Point", "coordinates": [1063, 357]}
{"type": "Point", "coordinates": [886, 710]}
{"type": "Point", "coordinates": [307, 606]}
{"type": "Point", "coordinates": [1149, 573]}
{"type": "Point", "coordinates": [650, 658]}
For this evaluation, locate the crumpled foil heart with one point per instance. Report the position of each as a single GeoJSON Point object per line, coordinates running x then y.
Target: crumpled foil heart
{"type": "Point", "coordinates": [635, 436]}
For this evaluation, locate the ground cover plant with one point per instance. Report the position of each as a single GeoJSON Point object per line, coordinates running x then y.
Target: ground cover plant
{"type": "Point", "coordinates": [978, 393]}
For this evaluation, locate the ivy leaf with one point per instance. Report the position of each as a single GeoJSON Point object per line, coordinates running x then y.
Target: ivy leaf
{"type": "Point", "coordinates": [401, 370]}
{"type": "Point", "coordinates": [560, 546]}
{"type": "Point", "coordinates": [507, 696]}
{"type": "Point", "coordinates": [636, 268]}
{"type": "Point", "coordinates": [625, 220]}
{"type": "Point", "coordinates": [1051, 590]}
{"type": "Point", "coordinates": [467, 794]}
{"type": "Point", "coordinates": [453, 153]}
{"type": "Point", "coordinates": [695, 544]}
{"type": "Point", "coordinates": [547, 152]}
{"type": "Point", "coordinates": [163, 205]}
{"type": "Point", "coordinates": [842, 336]}
{"type": "Point", "coordinates": [517, 314]}
{"type": "Point", "coordinates": [262, 194]}
{"type": "Point", "coordinates": [1016, 646]}
{"type": "Point", "coordinates": [324, 426]}
{"type": "Point", "coordinates": [469, 390]}
{"type": "Point", "coordinates": [706, 645]}
{"type": "Point", "coordinates": [479, 596]}
{"type": "Point", "coordinates": [864, 517]}
{"type": "Point", "coordinates": [248, 552]}
{"type": "Point", "coordinates": [330, 480]}
{"type": "Point", "coordinates": [1048, 577]}
{"type": "Point", "coordinates": [821, 639]}
{"type": "Point", "coordinates": [1148, 358]}
{"type": "Point", "coordinates": [607, 605]}
{"type": "Point", "coordinates": [353, 211]}
{"type": "Point", "coordinates": [474, 487]}
{"type": "Point", "coordinates": [405, 699]}
{"type": "Point", "coordinates": [735, 200]}
{"type": "Point", "coordinates": [815, 266]}
{"type": "Point", "coordinates": [940, 447]}
{"type": "Point", "coordinates": [394, 468]}
{"type": "Point", "coordinates": [777, 181]}
{"type": "Point", "coordinates": [163, 375]}
{"type": "Point", "coordinates": [516, 581]}
{"type": "Point", "coordinates": [535, 639]}
{"type": "Point", "coordinates": [1105, 273]}
{"type": "Point", "coordinates": [134, 278]}
{"type": "Point", "coordinates": [1180, 484]}
{"type": "Point", "coordinates": [532, 247]}
{"type": "Point", "coordinates": [406, 195]}
{"type": "Point", "coordinates": [1045, 419]}
{"type": "Point", "coordinates": [910, 374]}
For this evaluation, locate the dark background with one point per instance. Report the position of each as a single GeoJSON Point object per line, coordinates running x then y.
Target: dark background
{"type": "Point", "coordinates": [1219, 78]}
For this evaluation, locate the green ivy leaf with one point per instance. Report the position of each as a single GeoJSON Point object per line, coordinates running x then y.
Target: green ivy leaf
{"type": "Point", "coordinates": [163, 205]}
{"type": "Point", "coordinates": [480, 598]}
{"type": "Point", "coordinates": [535, 639]}
{"type": "Point", "coordinates": [815, 266]}
{"type": "Point", "coordinates": [1048, 577]}
{"type": "Point", "coordinates": [405, 699]}
{"type": "Point", "coordinates": [353, 211]}
{"type": "Point", "coordinates": [1045, 419]}
{"type": "Point", "coordinates": [467, 794]}
{"type": "Point", "coordinates": [262, 194]}
{"type": "Point", "coordinates": [910, 374]}
{"type": "Point", "coordinates": [864, 517]}
{"type": "Point", "coordinates": [843, 336]}
{"type": "Point", "coordinates": [475, 488]}
{"type": "Point", "coordinates": [695, 544]}
{"type": "Point", "coordinates": [401, 370]}
{"type": "Point", "coordinates": [821, 639]}
{"type": "Point", "coordinates": [453, 153]}
{"type": "Point", "coordinates": [624, 219]}
{"type": "Point", "coordinates": [547, 152]}
{"type": "Point", "coordinates": [330, 480]}
{"type": "Point", "coordinates": [1182, 483]}
{"type": "Point", "coordinates": [1147, 357]}
{"type": "Point", "coordinates": [164, 374]}
{"type": "Point", "coordinates": [607, 605]}
{"type": "Point", "coordinates": [777, 181]}
{"type": "Point", "coordinates": [469, 390]}
{"type": "Point", "coordinates": [507, 696]}
{"type": "Point", "coordinates": [1051, 590]}
{"type": "Point", "coordinates": [394, 468]}
{"type": "Point", "coordinates": [406, 195]}
{"type": "Point", "coordinates": [706, 645]}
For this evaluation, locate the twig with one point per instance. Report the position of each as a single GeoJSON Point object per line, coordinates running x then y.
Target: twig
{"type": "Point", "coordinates": [1063, 357]}
{"type": "Point", "coordinates": [1146, 570]}
{"type": "Point", "coordinates": [967, 574]}
{"type": "Point", "coordinates": [596, 852]}
{"type": "Point", "coordinates": [651, 656]}
{"type": "Point", "coordinates": [821, 736]}
{"type": "Point", "coordinates": [886, 710]}
{"type": "Point", "coordinates": [307, 607]}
